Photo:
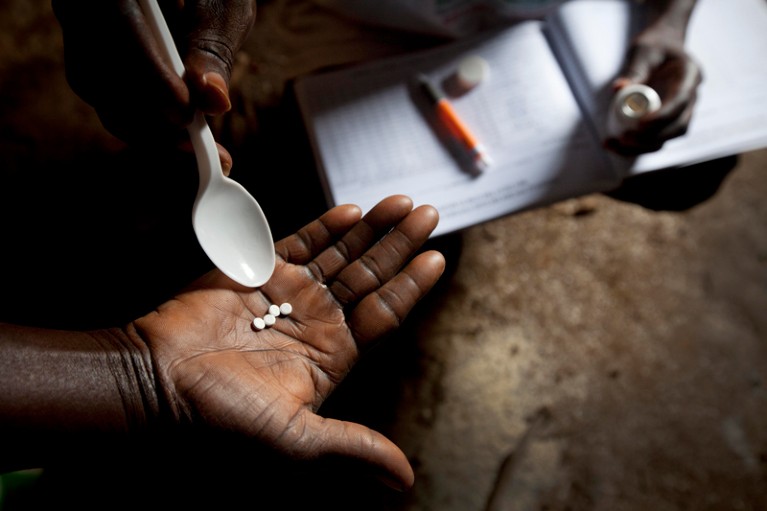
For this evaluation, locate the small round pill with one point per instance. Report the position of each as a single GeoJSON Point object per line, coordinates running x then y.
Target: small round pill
{"type": "Point", "coordinates": [274, 310]}
{"type": "Point", "coordinates": [269, 320]}
{"type": "Point", "coordinates": [259, 323]}
{"type": "Point", "coordinates": [286, 308]}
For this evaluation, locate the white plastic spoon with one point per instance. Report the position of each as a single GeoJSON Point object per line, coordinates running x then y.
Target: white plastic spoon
{"type": "Point", "coordinates": [229, 223]}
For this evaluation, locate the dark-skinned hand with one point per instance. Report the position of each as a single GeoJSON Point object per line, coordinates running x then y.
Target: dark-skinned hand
{"type": "Point", "coordinates": [345, 281]}
{"type": "Point", "coordinates": [195, 370]}
{"type": "Point", "coordinates": [114, 64]}
{"type": "Point", "coordinates": [657, 58]}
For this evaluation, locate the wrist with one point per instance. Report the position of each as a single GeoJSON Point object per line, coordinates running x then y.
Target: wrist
{"type": "Point", "coordinates": [128, 360]}
{"type": "Point", "coordinates": [68, 393]}
{"type": "Point", "coordinates": [668, 20]}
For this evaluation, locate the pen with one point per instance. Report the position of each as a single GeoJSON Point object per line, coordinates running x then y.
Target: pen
{"type": "Point", "coordinates": [475, 151]}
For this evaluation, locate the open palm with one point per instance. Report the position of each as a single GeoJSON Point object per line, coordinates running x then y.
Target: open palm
{"type": "Point", "coordinates": [350, 280]}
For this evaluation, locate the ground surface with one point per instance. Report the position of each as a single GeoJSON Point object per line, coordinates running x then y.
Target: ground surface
{"type": "Point", "coordinates": [593, 355]}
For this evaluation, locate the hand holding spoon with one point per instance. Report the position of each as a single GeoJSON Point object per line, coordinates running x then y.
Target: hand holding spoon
{"type": "Point", "coordinates": [229, 223]}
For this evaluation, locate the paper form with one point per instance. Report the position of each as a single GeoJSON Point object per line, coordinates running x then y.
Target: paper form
{"type": "Point", "coordinates": [543, 133]}
{"type": "Point", "coordinates": [371, 139]}
{"type": "Point", "coordinates": [727, 37]}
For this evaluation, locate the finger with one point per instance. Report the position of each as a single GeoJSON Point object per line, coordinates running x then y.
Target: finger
{"type": "Point", "coordinates": [679, 127]}
{"type": "Point", "coordinates": [382, 261]}
{"type": "Point", "coordinates": [653, 133]}
{"type": "Point", "coordinates": [216, 30]}
{"type": "Point", "coordinates": [639, 64]}
{"type": "Point", "coordinates": [377, 222]}
{"type": "Point", "coordinates": [225, 158]}
{"type": "Point", "coordinates": [384, 310]}
{"type": "Point", "coordinates": [313, 238]}
{"type": "Point", "coordinates": [634, 143]}
{"type": "Point", "coordinates": [213, 94]}
{"type": "Point", "coordinates": [630, 148]}
{"type": "Point", "coordinates": [678, 82]}
{"type": "Point", "coordinates": [358, 443]}
{"type": "Point", "coordinates": [124, 75]}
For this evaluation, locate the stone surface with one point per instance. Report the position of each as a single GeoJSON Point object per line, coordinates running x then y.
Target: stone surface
{"type": "Point", "coordinates": [617, 357]}
{"type": "Point", "coordinates": [590, 355]}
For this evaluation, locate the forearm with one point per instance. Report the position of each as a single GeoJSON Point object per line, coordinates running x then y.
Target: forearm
{"type": "Point", "coordinates": [670, 16]}
{"type": "Point", "coordinates": [64, 391]}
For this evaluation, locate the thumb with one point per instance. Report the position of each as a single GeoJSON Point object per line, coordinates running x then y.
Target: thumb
{"type": "Point", "coordinates": [358, 443]}
{"type": "Point", "coordinates": [638, 66]}
{"type": "Point", "coordinates": [215, 32]}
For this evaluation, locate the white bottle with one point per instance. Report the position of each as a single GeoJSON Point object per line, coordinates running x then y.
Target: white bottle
{"type": "Point", "coordinates": [629, 105]}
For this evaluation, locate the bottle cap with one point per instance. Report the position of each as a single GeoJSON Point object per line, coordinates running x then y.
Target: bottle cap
{"type": "Point", "coordinates": [636, 100]}
{"type": "Point", "coordinates": [472, 71]}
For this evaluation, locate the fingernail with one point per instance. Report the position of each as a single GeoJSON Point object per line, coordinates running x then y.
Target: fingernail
{"type": "Point", "coordinates": [392, 483]}
{"type": "Point", "coordinates": [219, 97]}
{"type": "Point", "coordinates": [226, 167]}
{"type": "Point", "coordinates": [621, 82]}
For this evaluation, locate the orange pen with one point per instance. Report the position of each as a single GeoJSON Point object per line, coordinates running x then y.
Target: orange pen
{"type": "Point", "coordinates": [447, 115]}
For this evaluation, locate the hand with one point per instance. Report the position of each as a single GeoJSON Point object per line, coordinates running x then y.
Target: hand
{"type": "Point", "coordinates": [345, 280]}
{"type": "Point", "coordinates": [114, 64]}
{"type": "Point", "coordinates": [659, 60]}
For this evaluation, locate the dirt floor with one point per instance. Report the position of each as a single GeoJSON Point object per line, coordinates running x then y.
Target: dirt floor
{"type": "Point", "coordinates": [590, 355]}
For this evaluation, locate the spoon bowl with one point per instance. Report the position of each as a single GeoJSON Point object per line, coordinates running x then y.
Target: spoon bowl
{"type": "Point", "coordinates": [229, 223]}
{"type": "Point", "coordinates": [224, 214]}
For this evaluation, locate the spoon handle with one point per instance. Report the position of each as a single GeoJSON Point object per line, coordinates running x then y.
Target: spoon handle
{"type": "Point", "coordinates": [161, 31]}
{"type": "Point", "coordinates": [208, 162]}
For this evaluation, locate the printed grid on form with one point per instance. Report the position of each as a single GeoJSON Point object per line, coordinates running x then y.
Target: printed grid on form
{"type": "Point", "coordinates": [373, 141]}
